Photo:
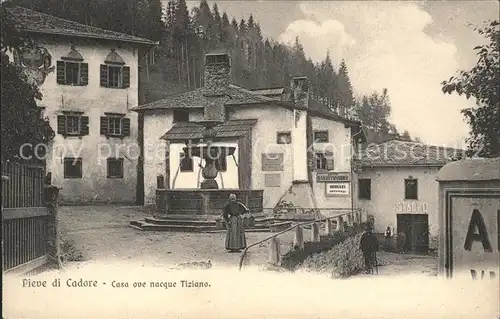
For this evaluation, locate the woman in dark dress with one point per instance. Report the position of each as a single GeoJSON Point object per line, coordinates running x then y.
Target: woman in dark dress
{"type": "Point", "coordinates": [235, 239]}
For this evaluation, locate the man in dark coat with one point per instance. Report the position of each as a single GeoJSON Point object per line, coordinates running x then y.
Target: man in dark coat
{"type": "Point", "coordinates": [369, 246]}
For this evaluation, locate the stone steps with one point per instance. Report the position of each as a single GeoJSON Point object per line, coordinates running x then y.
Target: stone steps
{"type": "Point", "coordinates": [202, 225]}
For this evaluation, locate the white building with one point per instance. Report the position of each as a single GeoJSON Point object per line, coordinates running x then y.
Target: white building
{"type": "Point", "coordinates": [89, 78]}
{"type": "Point", "coordinates": [287, 144]}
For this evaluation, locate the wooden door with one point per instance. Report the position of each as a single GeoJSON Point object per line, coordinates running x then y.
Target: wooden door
{"type": "Point", "coordinates": [420, 233]}
{"type": "Point", "coordinates": [404, 226]}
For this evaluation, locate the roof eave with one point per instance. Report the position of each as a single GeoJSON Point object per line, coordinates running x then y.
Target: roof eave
{"type": "Point", "coordinates": [145, 42]}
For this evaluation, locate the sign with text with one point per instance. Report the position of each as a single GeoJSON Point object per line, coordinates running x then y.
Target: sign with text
{"type": "Point", "coordinates": [475, 236]}
{"type": "Point", "coordinates": [329, 177]}
{"type": "Point", "coordinates": [272, 162]}
{"type": "Point", "coordinates": [337, 189]}
{"type": "Point", "coordinates": [411, 207]}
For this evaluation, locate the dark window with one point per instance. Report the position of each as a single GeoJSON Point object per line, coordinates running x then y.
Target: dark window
{"type": "Point", "coordinates": [324, 161]}
{"type": "Point", "coordinates": [115, 125]}
{"type": "Point", "coordinates": [115, 167]}
{"type": "Point", "coordinates": [284, 138]}
{"type": "Point", "coordinates": [411, 188]}
{"type": "Point", "coordinates": [181, 116]}
{"type": "Point", "coordinates": [221, 164]}
{"type": "Point", "coordinates": [72, 167]}
{"type": "Point", "coordinates": [321, 136]}
{"type": "Point", "coordinates": [72, 125]}
{"type": "Point", "coordinates": [186, 163]}
{"type": "Point", "coordinates": [365, 188]}
{"type": "Point", "coordinates": [72, 73]}
{"type": "Point", "coordinates": [114, 76]}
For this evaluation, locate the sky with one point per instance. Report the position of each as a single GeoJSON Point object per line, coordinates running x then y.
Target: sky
{"type": "Point", "coordinates": [407, 47]}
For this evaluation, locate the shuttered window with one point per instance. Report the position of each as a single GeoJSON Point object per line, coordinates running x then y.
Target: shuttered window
{"type": "Point", "coordinates": [72, 73]}
{"type": "Point", "coordinates": [115, 126]}
{"type": "Point", "coordinates": [72, 125]}
{"type": "Point", "coordinates": [115, 76]}
{"type": "Point", "coordinates": [324, 161]}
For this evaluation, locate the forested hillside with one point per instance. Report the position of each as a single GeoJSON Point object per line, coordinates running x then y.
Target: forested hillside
{"type": "Point", "coordinates": [257, 62]}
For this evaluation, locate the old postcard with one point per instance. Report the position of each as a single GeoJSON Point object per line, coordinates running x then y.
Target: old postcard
{"type": "Point", "coordinates": [250, 159]}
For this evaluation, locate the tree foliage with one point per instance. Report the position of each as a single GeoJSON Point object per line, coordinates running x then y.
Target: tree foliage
{"type": "Point", "coordinates": [186, 36]}
{"type": "Point", "coordinates": [21, 120]}
{"type": "Point", "coordinates": [482, 82]}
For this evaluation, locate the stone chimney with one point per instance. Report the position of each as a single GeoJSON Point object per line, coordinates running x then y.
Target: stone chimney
{"type": "Point", "coordinates": [217, 73]}
{"type": "Point", "coordinates": [300, 91]}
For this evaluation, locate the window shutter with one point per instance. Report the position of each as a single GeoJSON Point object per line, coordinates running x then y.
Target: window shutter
{"type": "Point", "coordinates": [104, 75]}
{"type": "Point", "coordinates": [61, 124]}
{"type": "Point", "coordinates": [329, 161]}
{"type": "Point", "coordinates": [125, 77]}
{"type": "Point", "coordinates": [126, 127]}
{"type": "Point", "coordinates": [84, 120]}
{"type": "Point", "coordinates": [84, 73]}
{"type": "Point", "coordinates": [61, 72]}
{"type": "Point", "coordinates": [104, 125]}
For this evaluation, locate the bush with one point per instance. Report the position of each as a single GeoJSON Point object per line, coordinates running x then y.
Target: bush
{"type": "Point", "coordinates": [343, 260]}
{"type": "Point", "coordinates": [69, 252]}
{"type": "Point", "coordinates": [295, 257]}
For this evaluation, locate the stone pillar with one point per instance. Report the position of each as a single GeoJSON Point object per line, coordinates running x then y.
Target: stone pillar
{"type": "Point", "coordinates": [340, 223]}
{"type": "Point", "coordinates": [274, 252]}
{"type": "Point", "coordinates": [328, 227]}
{"type": "Point", "coordinates": [315, 232]}
{"type": "Point", "coordinates": [53, 240]}
{"type": "Point", "coordinates": [468, 219]}
{"type": "Point", "coordinates": [298, 240]}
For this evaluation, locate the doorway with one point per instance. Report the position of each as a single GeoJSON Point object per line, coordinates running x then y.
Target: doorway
{"type": "Point", "coordinates": [416, 229]}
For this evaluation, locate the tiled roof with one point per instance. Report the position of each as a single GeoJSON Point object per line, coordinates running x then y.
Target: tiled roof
{"type": "Point", "coordinates": [321, 110]}
{"type": "Point", "coordinates": [234, 95]}
{"type": "Point", "coordinates": [399, 153]}
{"type": "Point", "coordinates": [237, 96]}
{"type": "Point", "coordinates": [269, 91]}
{"type": "Point", "coordinates": [36, 22]}
{"type": "Point", "coordinates": [471, 169]}
{"type": "Point", "coordinates": [192, 130]}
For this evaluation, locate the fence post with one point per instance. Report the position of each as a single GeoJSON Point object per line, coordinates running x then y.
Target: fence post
{"type": "Point", "coordinates": [329, 227]}
{"type": "Point", "coordinates": [315, 232]}
{"type": "Point", "coordinates": [298, 240]}
{"type": "Point", "coordinates": [52, 240]}
{"type": "Point", "coordinates": [349, 219]}
{"type": "Point", "coordinates": [340, 223]}
{"type": "Point", "coordinates": [274, 252]}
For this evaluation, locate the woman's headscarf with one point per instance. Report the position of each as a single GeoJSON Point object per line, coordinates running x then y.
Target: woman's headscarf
{"type": "Point", "coordinates": [232, 197]}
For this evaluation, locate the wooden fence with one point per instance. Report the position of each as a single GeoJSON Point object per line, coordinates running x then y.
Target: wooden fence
{"type": "Point", "coordinates": [25, 217]}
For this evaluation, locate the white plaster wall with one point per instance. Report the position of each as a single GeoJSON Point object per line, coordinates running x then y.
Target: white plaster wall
{"type": "Point", "coordinates": [156, 124]}
{"type": "Point", "coordinates": [339, 142]}
{"type": "Point", "coordinates": [94, 101]}
{"type": "Point", "coordinates": [271, 119]}
{"type": "Point", "coordinates": [387, 196]}
{"type": "Point", "coordinates": [226, 180]}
